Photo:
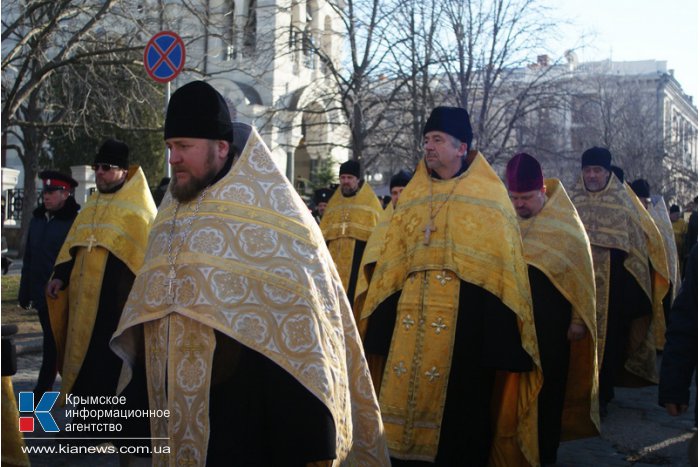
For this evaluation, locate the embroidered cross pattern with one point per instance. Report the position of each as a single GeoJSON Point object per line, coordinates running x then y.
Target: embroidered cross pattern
{"type": "Point", "coordinates": [400, 369]}
{"type": "Point", "coordinates": [439, 325]}
{"type": "Point", "coordinates": [408, 322]}
{"type": "Point", "coordinates": [432, 374]}
{"type": "Point", "coordinates": [191, 346]}
{"type": "Point", "coordinates": [443, 277]}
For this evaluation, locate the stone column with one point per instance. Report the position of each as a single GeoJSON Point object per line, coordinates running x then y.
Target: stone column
{"type": "Point", "coordinates": [10, 178]}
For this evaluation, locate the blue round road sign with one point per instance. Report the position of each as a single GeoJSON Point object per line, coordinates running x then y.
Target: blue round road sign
{"type": "Point", "coordinates": [164, 56]}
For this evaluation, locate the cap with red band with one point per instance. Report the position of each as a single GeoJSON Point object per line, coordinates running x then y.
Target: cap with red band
{"type": "Point", "coordinates": [53, 180]}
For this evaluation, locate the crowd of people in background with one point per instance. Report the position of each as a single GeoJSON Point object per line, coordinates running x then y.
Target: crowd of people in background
{"type": "Point", "coordinates": [462, 319]}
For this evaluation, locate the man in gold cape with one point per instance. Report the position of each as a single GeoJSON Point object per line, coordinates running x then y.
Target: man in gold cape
{"type": "Point", "coordinates": [95, 269]}
{"type": "Point", "coordinates": [659, 212]}
{"type": "Point", "coordinates": [374, 244]}
{"type": "Point", "coordinates": [347, 223]}
{"type": "Point", "coordinates": [448, 306]}
{"type": "Point", "coordinates": [624, 291]}
{"type": "Point", "coordinates": [560, 269]}
{"type": "Point", "coordinates": [662, 284]}
{"type": "Point", "coordinates": [250, 343]}
{"type": "Point", "coordinates": [680, 228]}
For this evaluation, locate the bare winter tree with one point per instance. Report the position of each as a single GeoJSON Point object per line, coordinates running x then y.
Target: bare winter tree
{"type": "Point", "coordinates": [486, 66]}
{"type": "Point", "coordinates": [619, 112]}
{"type": "Point", "coordinates": [361, 80]}
{"type": "Point", "coordinates": [39, 40]}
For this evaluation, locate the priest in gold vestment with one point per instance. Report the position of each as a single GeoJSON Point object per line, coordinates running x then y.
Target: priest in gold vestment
{"type": "Point", "coordinates": [374, 244]}
{"type": "Point", "coordinates": [238, 312]}
{"type": "Point", "coordinates": [94, 271]}
{"type": "Point", "coordinates": [347, 223]}
{"type": "Point", "coordinates": [625, 283]}
{"type": "Point", "coordinates": [560, 268]}
{"type": "Point", "coordinates": [449, 311]}
{"type": "Point", "coordinates": [660, 256]}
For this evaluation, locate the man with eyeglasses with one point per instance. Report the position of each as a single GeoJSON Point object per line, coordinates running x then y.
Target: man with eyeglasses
{"type": "Point", "coordinates": [93, 275]}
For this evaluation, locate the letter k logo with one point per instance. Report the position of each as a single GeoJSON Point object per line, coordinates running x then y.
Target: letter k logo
{"type": "Point", "coordinates": [42, 411]}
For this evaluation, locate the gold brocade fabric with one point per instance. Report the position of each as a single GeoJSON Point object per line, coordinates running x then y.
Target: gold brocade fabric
{"type": "Point", "coordinates": [680, 229]}
{"type": "Point", "coordinates": [660, 281]}
{"type": "Point", "coordinates": [476, 240]}
{"type": "Point", "coordinates": [555, 242]}
{"type": "Point", "coordinates": [369, 260]}
{"type": "Point", "coordinates": [12, 439]}
{"type": "Point", "coordinates": [254, 266]}
{"type": "Point", "coordinates": [346, 220]}
{"type": "Point", "coordinates": [659, 212]}
{"type": "Point", "coordinates": [118, 223]}
{"type": "Point", "coordinates": [612, 221]}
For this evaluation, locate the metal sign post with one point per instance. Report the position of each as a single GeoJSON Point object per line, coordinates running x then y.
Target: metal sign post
{"type": "Point", "coordinates": [164, 59]}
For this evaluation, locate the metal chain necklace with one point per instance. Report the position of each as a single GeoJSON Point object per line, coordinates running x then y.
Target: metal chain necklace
{"type": "Point", "coordinates": [430, 226]}
{"type": "Point", "coordinates": [172, 258]}
{"type": "Point", "coordinates": [92, 239]}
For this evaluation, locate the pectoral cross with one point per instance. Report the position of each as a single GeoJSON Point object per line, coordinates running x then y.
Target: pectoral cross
{"type": "Point", "coordinates": [429, 228]}
{"type": "Point", "coordinates": [91, 241]}
{"type": "Point", "coordinates": [344, 225]}
{"type": "Point", "coordinates": [169, 283]}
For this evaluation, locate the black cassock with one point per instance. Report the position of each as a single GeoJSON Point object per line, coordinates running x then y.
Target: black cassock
{"type": "Point", "coordinates": [552, 317]}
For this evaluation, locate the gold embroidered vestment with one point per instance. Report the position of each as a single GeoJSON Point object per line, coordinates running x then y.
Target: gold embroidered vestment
{"type": "Point", "coordinates": [555, 242]}
{"type": "Point", "coordinates": [256, 269]}
{"type": "Point", "coordinates": [612, 221]}
{"type": "Point", "coordinates": [109, 223]}
{"type": "Point", "coordinates": [476, 239]}
{"type": "Point", "coordinates": [347, 220]}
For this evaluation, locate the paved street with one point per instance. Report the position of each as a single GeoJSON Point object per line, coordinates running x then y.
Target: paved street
{"type": "Point", "coordinates": [636, 432]}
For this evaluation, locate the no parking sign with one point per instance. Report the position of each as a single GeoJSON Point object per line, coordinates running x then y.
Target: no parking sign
{"type": "Point", "coordinates": [164, 56]}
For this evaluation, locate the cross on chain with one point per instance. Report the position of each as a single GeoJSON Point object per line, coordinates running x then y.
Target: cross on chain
{"type": "Point", "coordinates": [429, 228]}
{"type": "Point", "coordinates": [344, 225]}
{"type": "Point", "coordinates": [91, 241]}
{"type": "Point", "coordinates": [169, 284]}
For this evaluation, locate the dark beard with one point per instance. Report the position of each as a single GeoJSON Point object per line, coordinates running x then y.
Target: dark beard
{"type": "Point", "coordinates": [191, 189]}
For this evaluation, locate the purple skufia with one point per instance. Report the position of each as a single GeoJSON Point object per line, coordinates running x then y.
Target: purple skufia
{"type": "Point", "coordinates": [523, 173]}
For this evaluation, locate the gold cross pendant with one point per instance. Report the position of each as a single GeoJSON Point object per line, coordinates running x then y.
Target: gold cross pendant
{"type": "Point", "coordinates": [169, 283]}
{"type": "Point", "coordinates": [429, 228]}
{"type": "Point", "coordinates": [91, 241]}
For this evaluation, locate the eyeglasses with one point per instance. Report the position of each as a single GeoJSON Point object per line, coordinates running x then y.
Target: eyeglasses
{"type": "Point", "coordinates": [104, 167]}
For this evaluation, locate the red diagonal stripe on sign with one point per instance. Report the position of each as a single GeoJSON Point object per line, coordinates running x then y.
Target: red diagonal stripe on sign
{"type": "Point", "coordinates": [164, 56]}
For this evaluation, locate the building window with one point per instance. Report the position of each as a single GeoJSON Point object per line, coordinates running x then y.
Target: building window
{"type": "Point", "coordinates": [251, 28]}
{"type": "Point", "coordinates": [230, 52]}
{"type": "Point", "coordinates": [308, 43]}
